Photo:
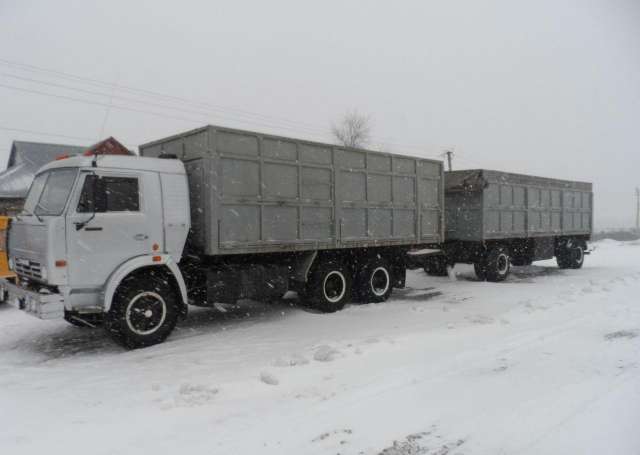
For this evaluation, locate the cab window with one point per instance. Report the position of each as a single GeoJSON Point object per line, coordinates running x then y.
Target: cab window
{"type": "Point", "coordinates": [49, 192]}
{"type": "Point", "coordinates": [102, 194]}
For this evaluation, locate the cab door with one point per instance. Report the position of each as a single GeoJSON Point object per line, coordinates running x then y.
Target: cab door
{"type": "Point", "coordinates": [107, 225]}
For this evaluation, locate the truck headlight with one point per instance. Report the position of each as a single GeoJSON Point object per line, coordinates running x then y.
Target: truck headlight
{"type": "Point", "coordinates": [12, 264]}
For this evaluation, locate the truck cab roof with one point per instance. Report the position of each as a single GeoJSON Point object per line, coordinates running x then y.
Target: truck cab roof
{"type": "Point", "coordinates": [167, 166]}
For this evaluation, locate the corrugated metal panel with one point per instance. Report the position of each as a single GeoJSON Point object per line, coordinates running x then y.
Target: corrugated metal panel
{"type": "Point", "coordinates": [484, 205]}
{"type": "Point", "coordinates": [270, 193]}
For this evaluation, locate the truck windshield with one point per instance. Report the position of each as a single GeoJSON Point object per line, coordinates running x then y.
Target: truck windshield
{"type": "Point", "coordinates": [49, 192]}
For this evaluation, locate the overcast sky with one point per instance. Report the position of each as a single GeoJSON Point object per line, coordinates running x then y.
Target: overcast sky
{"type": "Point", "coordinates": [545, 87]}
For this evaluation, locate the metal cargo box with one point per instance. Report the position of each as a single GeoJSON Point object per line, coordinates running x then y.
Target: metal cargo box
{"type": "Point", "coordinates": [252, 192]}
{"type": "Point", "coordinates": [486, 205]}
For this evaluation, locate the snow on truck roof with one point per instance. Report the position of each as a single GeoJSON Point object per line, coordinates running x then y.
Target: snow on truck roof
{"type": "Point", "coordinates": [168, 166]}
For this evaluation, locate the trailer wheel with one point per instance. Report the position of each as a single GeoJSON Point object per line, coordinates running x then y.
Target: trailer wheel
{"type": "Point", "coordinates": [497, 264]}
{"type": "Point", "coordinates": [144, 311]}
{"type": "Point", "coordinates": [374, 283]}
{"type": "Point", "coordinates": [329, 287]}
{"type": "Point", "coordinates": [570, 256]}
{"type": "Point", "coordinates": [436, 266]}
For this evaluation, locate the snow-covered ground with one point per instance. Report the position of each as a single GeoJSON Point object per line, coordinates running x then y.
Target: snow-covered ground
{"type": "Point", "coordinates": [548, 362]}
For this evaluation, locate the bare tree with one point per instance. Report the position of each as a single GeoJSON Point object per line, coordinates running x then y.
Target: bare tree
{"type": "Point", "coordinates": [354, 130]}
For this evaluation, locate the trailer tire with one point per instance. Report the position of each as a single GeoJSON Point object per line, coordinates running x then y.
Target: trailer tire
{"type": "Point", "coordinates": [329, 287]}
{"type": "Point", "coordinates": [374, 283]}
{"type": "Point", "coordinates": [144, 311]}
{"type": "Point", "coordinates": [571, 256]}
{"type": "Point", "coordinates": [436, 266]}
{"type": "Point", "coordinates": [497, 264]}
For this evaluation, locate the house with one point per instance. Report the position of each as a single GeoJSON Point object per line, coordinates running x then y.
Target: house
{"type": "Point", "coordinates": [26, 158]}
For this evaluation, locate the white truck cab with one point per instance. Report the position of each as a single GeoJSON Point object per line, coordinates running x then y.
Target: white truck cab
{"type": "Point", "coordinates": [90, 224]}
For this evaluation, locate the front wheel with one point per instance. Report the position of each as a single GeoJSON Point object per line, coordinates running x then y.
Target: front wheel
{"type": "Point", "coordinates": [143, 313]}
{"type": "Point", "coordinates": [329, 287]}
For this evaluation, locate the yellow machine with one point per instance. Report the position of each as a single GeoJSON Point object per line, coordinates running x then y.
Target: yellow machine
{"type": "Point", "coordinates": [4, 262]}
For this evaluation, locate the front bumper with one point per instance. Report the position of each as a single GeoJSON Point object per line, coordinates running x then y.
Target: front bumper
{"type": "Point", "coordinates": [40, 305]}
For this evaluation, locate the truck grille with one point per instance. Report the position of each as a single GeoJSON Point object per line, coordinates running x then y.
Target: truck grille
{"type": "Point", "coordinates": [25, 267]}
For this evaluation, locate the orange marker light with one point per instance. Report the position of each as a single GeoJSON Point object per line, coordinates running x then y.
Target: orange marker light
{"type": "Point", "coordinates": [155, 247]}
{"type": "Point", "coordinates": [157, 258]}
{"type": "Point", "coordinates": [61, 263]}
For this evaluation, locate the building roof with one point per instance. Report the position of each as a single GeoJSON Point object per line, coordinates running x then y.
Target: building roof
{"type": "Point", "coordinates": [24, 161]}
{"type": "Point", "coordinates": [27, 157]}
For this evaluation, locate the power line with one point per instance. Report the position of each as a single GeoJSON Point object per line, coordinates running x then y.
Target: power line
{"type": "Point", "coordinates": [102, 104]}
{"type": "Point", "coordinates": [44, 133]}
{"type": "Point", "coordinates": [172, 98]}
{"type": "Point", "coordinates": [148, 93]}
{"type": "Point", "coordinates": [147, 103]}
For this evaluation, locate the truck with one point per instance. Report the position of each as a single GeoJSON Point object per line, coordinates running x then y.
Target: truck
{"type": "Point", "coordinates": [217, 215]}
{"type": "Point", "coordinates": [497, 219]}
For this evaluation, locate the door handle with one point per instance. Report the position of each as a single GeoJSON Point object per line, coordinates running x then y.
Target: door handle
{"type": "Point", "coordinates": [93, 228]}
{"type": "Point", "coordinates": [141, 236]}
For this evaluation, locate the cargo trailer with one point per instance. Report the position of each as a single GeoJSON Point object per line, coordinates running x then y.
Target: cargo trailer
{"type": "Point", "coordinates": [495, 219]}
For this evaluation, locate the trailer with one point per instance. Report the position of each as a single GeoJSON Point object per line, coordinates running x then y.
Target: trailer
{"type": "Point", "coordinates": [496, 219]}
{"type": "Point", "coordinates": [215, 215]}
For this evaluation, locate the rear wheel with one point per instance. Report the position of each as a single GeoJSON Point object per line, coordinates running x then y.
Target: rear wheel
{"type": "Point", "coordinates": [329, 287]}
{"type": "Point", "coordinates": [571, 255]}
{"type": "Point", "coordinates": [144, 311]}
{"type": "Point", "coordinates": [497, 264]}
{"type": "Point", "coordinates": [374, 283]}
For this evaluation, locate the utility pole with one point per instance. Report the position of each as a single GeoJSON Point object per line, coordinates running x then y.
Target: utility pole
{"type": "Point", "coordinates": [449, 154]}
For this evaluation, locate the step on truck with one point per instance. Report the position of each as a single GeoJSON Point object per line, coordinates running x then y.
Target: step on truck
{"type": "Point", "coordinates": [497, 219]}
{"type": "Point", "coordinates": [215, 215]}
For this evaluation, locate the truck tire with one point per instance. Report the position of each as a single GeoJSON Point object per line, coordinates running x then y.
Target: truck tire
{"type": "Point", "coordinates": [571, 256]}
{"type": "Point", "coordinates": [144, 311]}
{"type": "Point", "coordinates": [497, 264]}
{"type": "Point", "coordinates": [329, 287]}
{"type": "Point", "coordinates": [374, 283]}
{"type": "Point", "coordinates": [436, 266]}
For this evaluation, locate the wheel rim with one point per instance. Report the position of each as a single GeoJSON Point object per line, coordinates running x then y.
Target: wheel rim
{"type": "Point", "coordinates": [146, 313]}
{"type": "Point", "coordinates": [379, 281]}
{"type": "Point", "coordinates": [503, 264]}
{"type": "Point", "coordinates": [579, 255]}
{"type": "Point", "coordinates": [334, 286]}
